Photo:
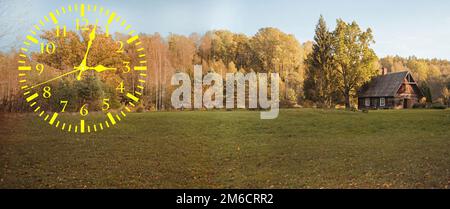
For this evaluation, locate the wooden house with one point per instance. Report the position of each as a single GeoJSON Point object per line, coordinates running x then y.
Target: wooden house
{"type": "Point", "coordinates": [390, 91]}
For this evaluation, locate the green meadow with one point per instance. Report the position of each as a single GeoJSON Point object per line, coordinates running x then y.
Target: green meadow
{"type": "Point", "coordinates": [303, 148]}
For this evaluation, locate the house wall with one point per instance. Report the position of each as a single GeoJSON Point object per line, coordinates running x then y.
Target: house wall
{"type": "Point", "coordinates": [406, 88]}
{"type": "Point", "coordinates": [411, 100]}
{"type": "Point", "coordinates": [390, 102]}
{"type": "Point", "coordinates": [406, 93]}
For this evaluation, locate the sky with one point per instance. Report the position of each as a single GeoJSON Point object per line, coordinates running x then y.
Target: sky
{"type": "Point", "coordinates": [401, 27]}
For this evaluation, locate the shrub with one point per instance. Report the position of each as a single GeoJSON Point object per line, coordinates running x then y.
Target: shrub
{"type": "Point", "coordinates": [140, 109]}
{"type": "Point", "coordinates": [309, 104]}
{"type": "Point", "coordinates": [423, 101]}
{"type": "Point", "coordinates": [438, 106]}
{"type": "Point", "coordinates": [339, 107]}
{"type": "Point", "coordinates": [419, 106]}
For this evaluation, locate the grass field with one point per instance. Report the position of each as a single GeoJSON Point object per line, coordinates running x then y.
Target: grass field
{"type": "Point", "coordinates": [301, 149]}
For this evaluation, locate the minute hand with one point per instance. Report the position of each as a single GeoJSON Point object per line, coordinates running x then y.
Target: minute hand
{"type": "Point", "coordinates": [83, 63]}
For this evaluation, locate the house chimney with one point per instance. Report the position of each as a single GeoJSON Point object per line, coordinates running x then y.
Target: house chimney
{"type": "Point", "coordinates": [384, 71]}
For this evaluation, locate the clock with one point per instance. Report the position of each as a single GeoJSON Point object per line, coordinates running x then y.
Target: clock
{"type": "Point", "coordinates": [77, 75]}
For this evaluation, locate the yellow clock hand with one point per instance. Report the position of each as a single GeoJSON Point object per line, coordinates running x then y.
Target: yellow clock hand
{"type": "Point", "coordinates": [98, 68]}
{"type": "Point", "coordinates": [83, 63]}
{"type": "Point", "coordinates": [91, 39]}
{"type": "Point", "coordinates": [101, 68]}
{"type": "Point", "coordinates": [55, 78]}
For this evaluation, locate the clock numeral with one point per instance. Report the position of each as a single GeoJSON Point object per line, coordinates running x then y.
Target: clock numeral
{"type": "Point", "coordinates": [120, 50]}
{"type": "Point", "coordinates": [49, 48]}
{"type": "Point", "coordinates": [58, 31]}
{"type": "Point", "coordinates": [64, 103]}
{"type": "Point", "coordinates": [40, 68]}
{"type": "Point", "coordinates": [127, 67]}
{"type": "Point", "coordinates": [85, 26]}
{"type": "Point", "coordinates": [120, 87]}
{"type": "Point", "coordinates": [47, 92]}
{"type": "Point", "coordinates": [84, 111]}
{"type": "Point", "coordinates": [106, 105]}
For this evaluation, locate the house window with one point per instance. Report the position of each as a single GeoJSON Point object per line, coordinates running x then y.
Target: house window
{"type": "Point", "coordinates": [382, 102]}
{"type": "Point", "coordinates": [367, 102]}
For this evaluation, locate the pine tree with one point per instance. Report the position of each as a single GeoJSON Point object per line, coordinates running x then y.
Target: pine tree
{"type": "Point", "coordinates": [320, 76]}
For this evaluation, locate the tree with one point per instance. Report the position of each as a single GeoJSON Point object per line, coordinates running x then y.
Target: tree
{"type": "Point", "coordinates": [445, 94]}
{"type": "Point", "coordinates": [231, 68]}
{"type": "Point", "coordinates": [223, 46]}
{"type": "Point", "coordinates": [243, 53]}
{"type": "Point", "coordinates": [205, 48]}
{"type": "Point", "coordinates": [418, 68]}
{"type": "Point", "coordinates": [181, 52]}
{"type": "Point", "coordinates": [10, 92]}
{"type": "Point", "coordinates": [158, 60]}
{"type": "Point", "coordinates": [276, 52]}
{"type": "Point", "coordinates": [320, 74]}
{"type": "Point", "coordinates": [356, 63]}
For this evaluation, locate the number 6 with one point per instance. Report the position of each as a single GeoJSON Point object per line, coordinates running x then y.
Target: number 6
{"type": "Point", "coordinates": [84, 111]}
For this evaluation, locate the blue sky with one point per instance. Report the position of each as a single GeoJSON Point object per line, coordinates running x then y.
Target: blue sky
{"type": "Point", "coordinates": [401, 27]}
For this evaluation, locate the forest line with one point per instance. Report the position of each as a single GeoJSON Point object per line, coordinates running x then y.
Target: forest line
{"type": "Point", "coordinates": [325, 72]}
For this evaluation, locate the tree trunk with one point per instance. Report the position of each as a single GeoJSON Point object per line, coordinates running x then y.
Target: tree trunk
{"type": "Point", "coordinates": [347, 99]}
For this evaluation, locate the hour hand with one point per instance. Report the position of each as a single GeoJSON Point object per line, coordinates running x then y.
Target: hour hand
{"type": "Point", "coordinates": [101, 68]}
{"type": "Point", "coordinates": [98, 68]}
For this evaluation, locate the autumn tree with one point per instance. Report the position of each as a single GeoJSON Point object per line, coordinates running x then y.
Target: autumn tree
{"type": "Point", "coordinates": [223, 46]}
{"type": "Point", "coordinates": [205, 48]}
{"type": "Point", "coordinates": [275, 51]}
{"type": "Point", "coordinates": [181, 52]}
{"type": "Point", "coordinates": [445, 95]}
{"type": "Point", "coordinates": [243, 53]}
{"type": "Point", "coordinates": [10, 97]}
{"type": "Point", "coordinates": [158, 60]}
{"type": "Point", "coordinates": [356, 63]}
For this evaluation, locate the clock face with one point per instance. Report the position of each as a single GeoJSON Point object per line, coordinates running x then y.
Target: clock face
{"type": "Point", "coordinates": [76, 74]}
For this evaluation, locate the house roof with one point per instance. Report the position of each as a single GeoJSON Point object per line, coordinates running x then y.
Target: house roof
{"type": "Point", "coordinates": [384, 86]}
